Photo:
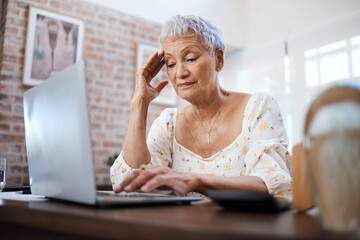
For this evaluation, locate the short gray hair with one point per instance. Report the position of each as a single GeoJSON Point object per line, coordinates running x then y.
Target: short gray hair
{"type": "Point", "coordinates": [185, 26]}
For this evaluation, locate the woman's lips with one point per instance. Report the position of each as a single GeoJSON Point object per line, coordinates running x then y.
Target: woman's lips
{"type": "Point", "coordinates": [185, 84]}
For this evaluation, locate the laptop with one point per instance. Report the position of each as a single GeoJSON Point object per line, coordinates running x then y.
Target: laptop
{"type": "Point", "coordinates": [59, 146]}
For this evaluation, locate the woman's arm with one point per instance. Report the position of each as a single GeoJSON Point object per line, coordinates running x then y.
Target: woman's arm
{"type": "Point", "coordinates": [208, 182]}
{"type": "Point", "coordinates": [157, 177]}
{"type": "Point", "coordinates": [135, 151]}
{"type": "Point", "coordinates": [267, 156]}
{"type": "Point", "coordinates": [158, 143]}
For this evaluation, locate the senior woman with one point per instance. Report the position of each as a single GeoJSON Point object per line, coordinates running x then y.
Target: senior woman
{"type": "Point", "coordinates": [221, 140]}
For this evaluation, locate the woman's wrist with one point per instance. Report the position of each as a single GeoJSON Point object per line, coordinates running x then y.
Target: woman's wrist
{"type": "Point", "coordinates": [199, 181]}
{"type": "Point", "coordinates": [138, 100]}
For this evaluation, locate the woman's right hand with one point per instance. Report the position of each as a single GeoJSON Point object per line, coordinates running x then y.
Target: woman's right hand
{"type": "Point", "coordinates": [143, 89]}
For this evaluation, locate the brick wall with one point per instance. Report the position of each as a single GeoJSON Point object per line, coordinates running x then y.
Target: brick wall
{"type": "Point", "coordinates": [110, 44]}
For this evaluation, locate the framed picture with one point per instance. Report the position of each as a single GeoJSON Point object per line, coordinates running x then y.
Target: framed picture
{"type": "Point", "coordinates": [168, 95]}
{"type": "Point", "coordinates": [53, 43]}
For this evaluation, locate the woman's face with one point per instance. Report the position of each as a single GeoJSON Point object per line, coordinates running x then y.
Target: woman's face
{"type": "Point", "coordinates": [191, 68]}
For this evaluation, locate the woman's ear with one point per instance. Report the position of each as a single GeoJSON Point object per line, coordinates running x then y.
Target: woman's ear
{"type": "Point", "coordinates": [219, 56]}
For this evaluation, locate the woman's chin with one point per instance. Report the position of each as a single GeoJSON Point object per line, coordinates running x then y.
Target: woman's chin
{"type": "Point", "coordinates": [187, 95]}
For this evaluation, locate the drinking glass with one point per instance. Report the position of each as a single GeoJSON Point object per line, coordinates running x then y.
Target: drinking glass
{"type": "Point", "coordinates": [2, 173]}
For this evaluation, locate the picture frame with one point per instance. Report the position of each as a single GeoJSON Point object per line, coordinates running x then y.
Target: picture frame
{"type": "Point", "coordinates": [168, 95]}
{"type": "Point", "coordinates": [54, 42]}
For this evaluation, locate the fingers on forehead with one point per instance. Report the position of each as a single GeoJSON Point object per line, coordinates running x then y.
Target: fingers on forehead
{"type": "Point", "coordinates": [155, 57]}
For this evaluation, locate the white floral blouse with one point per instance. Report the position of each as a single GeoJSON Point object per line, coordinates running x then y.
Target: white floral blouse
{"type": "Point", "coordinates": [260, 149]}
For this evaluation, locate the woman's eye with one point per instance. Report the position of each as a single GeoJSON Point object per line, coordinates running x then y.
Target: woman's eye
{"type": "Point", "coordinates": [191, 59]}
{"type": "Point", "coordinates": [170, 65]}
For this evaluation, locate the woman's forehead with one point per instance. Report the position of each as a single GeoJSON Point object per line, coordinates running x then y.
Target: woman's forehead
{"type": "Point", "coordinates": [181, 43]}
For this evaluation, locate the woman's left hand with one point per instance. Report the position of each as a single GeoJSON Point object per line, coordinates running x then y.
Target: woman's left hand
{"type": "Point", "coordinates": [157, 177]}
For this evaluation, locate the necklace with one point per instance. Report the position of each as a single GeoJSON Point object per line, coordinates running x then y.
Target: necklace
{"type": "Point", "coordinates": [216, 116]}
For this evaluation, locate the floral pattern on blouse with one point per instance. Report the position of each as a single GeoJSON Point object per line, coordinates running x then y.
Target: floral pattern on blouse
{"type": "Point", "coordinates": [260, 149]}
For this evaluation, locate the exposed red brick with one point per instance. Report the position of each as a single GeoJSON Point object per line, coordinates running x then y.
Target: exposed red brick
{"type": "Point", "coordinates": [8, 67]}
{"type": "Point", "coordinates": [102, 171]}
{"type": "Point", "coordinates": [13, 11]}
{"type": "Point", "coordinates": [61, 5]}
{"type": "Point", "coordinates": [9, 59]}
{"type": "Point", "coordinates": [109, 50]}
{"type": "Point", "coordinates": [4, 148]}
{"type": "Point", "coordinates": [14, 179]}
{"type": "Point", "coordinates": [16, 148]}
{"type": "Point", "coordinates": [112, 144]}
{"type": "Point", "coordinates": [5, 107]}
{"type": "Point", "coordinates": [97, 40]}
{"type": "Point", "coordinates": [99, 135]}
{"type": "Point", "coordinates": [17, 22]}
{"type": "Point", "coordinates": [17, 119]}
{"type": "Point", "coordinates": [5, 117]}
{"type": "Point", "coordinates": [16, 169]}
{"type": "Point", "coordinates": [8, 138]}
{"type": "Point", "coordinates": [26, 180]}
{"type": "Point", "coordinates": [4, 127]}
{"type": "Point", "coordinates": [11, 30]}
{"type": "Point", "coordinates": [18, 128]}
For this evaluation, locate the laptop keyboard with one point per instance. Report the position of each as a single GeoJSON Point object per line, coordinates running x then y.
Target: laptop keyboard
{"type": "Point", "coordinates": [109, 198]}
{"type": "Point", "coordinates": [132, 194]}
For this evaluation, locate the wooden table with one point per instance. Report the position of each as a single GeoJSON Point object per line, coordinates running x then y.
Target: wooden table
{"type": "Point", "coordinates": [201, 220]}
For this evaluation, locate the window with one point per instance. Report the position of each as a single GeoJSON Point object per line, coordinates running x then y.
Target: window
{"type": "Point", "coordinates": [355, 55]}
{"type": "Point", "coordinates": [331, 62]}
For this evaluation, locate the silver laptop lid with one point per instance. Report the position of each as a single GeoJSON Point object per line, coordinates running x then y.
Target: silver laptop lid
{"type": "Point", "coordinates": [58, 141]}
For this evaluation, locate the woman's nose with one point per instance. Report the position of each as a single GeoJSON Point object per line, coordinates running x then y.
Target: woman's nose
{"type": "Point", "coordinates": [181, 71]}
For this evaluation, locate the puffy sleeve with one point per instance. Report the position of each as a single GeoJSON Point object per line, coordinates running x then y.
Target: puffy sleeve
{"type": "Point", "coordinates": [267, 156]}
{"type": "Point", "coordinates": [159, 142]}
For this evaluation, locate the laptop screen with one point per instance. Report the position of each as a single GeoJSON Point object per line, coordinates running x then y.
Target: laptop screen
{"type": "Point", "coordinates": [58, 140]}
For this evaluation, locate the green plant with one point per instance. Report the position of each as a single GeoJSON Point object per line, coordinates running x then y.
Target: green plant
{"type": "Point", "coordinates": [111, 159]}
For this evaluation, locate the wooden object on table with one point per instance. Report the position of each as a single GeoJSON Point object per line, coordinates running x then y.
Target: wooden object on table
{"type": "Point", "coordinates": [302, 200]}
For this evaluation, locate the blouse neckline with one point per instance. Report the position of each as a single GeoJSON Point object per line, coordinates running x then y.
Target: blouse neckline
{"type": "Point", "coordinates": [220, 151]}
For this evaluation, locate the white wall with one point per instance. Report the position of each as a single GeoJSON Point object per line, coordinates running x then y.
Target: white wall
{"type": "Point", "coordinates": [260, 65]}
{"type": "Point", "coordinates": [269, 19]}
{"type": "Point", "coordinates": [229, 15]}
